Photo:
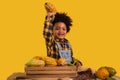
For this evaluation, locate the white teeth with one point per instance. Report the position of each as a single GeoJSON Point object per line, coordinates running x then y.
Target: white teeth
{"type": "Point", "coordinates": [61, 34]}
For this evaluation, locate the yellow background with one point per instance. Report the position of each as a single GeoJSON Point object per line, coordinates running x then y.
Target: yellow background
{"type": "Point", "coordinates": [94, 35]}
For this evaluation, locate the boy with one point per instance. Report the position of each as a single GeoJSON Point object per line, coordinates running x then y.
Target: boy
{"type": "Point", "coordinates": [56, 26]}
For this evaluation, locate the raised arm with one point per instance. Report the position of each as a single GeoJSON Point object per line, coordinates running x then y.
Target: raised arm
{"type": "Point", "coordinates": [47, 31]}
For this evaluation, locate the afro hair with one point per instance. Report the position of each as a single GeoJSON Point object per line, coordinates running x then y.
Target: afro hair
{"type": "Point", "coordinates": [62, 17]}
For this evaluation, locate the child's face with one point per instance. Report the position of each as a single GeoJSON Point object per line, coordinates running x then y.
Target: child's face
{"type": "Point", "coordinates": [59, 30]}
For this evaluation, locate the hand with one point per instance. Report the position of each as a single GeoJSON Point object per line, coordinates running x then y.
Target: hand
{"type": "Point", "coordinates": [50, 8]}
{"type": "Point", "coordinates": [78, 66]}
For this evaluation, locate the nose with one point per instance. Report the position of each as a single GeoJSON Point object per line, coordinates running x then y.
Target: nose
{"type": "Point", "coordinates": [61, 30]}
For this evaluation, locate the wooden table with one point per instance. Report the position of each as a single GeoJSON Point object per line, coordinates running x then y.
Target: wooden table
{"type": "Point", "coordinates": [23, 76]}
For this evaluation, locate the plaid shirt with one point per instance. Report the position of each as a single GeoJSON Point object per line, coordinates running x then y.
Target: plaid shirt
{"type": "Point", "coordinates": [52, 48]}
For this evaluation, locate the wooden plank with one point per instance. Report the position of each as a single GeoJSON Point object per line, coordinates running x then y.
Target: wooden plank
{"type": "Point", "coordinates": [15, 75]}
{"type": "Point", "coordinates": [48, 68]}
{"type": "Point", "coordinates": [52, 76]}
{"type": "Point", "coordinates": [50, 79]}
{"type": "Point", "coordinates": [51, 72]}
{"type": "Point", "coordinates": [38, 77]}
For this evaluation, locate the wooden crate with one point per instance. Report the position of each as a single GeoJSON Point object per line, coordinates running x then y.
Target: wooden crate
{"type": "Point", "coordinates": [48, 71]}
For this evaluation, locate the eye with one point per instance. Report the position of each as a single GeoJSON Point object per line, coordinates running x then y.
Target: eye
{"type": "Point", "coordinates": [64, 29]}
{"type": "Point", "coordinates": [57, 28]}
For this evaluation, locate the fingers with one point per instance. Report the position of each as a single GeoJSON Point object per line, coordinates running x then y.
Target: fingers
{"type": "Point", "coordinates": [78, 66]}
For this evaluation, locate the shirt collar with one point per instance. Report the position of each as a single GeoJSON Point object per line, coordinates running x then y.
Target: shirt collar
{"type": "Point", "coordinates": [61, 41]}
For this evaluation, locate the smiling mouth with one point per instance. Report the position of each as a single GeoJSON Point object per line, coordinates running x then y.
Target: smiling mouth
{"type": "Point", "coordinates": [61, 34]}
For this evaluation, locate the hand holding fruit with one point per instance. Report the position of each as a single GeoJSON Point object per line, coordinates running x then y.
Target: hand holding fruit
{"type": "Point", "coordinates": [50, 8]}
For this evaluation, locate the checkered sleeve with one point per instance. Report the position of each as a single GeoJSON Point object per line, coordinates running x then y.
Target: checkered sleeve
{"type": "Point", "coordinates": [47, 31]}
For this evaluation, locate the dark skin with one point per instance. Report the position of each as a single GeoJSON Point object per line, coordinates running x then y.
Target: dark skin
{"type": "Point", "coordinates": [51, 10]}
